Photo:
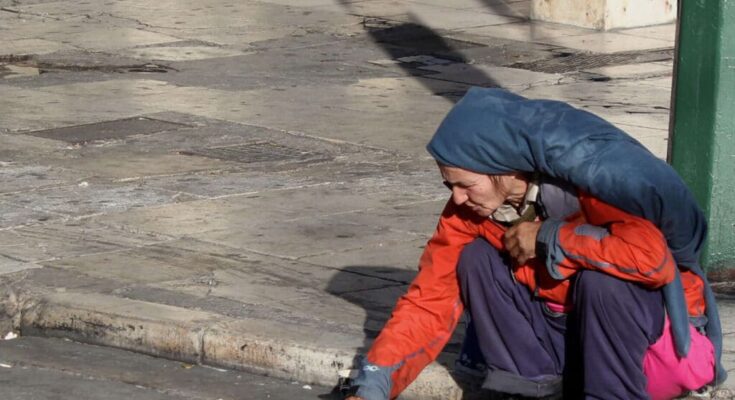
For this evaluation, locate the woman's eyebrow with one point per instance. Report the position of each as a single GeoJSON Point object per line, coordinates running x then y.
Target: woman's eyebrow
{"type": "Point", "coordinates": [461, 184]}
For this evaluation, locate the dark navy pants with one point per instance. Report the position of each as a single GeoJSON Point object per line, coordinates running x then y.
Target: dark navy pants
{"type": "Point", "coordinates": [596, 350]}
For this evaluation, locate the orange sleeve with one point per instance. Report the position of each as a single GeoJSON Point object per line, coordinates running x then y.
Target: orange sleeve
{"type": "Point", "coordinates": [425, 317]}
{"type": "Point", "coordinates": [607, 239]}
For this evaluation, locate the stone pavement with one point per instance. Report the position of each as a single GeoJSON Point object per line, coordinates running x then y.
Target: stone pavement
{"type": "Point", "coordinates": [244, 183]}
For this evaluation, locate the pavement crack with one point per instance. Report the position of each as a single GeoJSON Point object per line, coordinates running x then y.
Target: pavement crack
{"type": "Point", "coordinates": [9, 257]}
{"type": "Point", "coordinates": [135, 20]}
{"type": "Point", "coordinates": [396, 284]}
{"type": "Point", "coordinates": [21, 12]}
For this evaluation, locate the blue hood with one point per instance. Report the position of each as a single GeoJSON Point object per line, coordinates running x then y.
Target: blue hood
{"type": "Point", "coordinates": [493, 131]}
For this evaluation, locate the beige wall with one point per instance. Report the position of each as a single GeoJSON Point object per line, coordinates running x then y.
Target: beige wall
{"type": "Point", "coordinates": [604, 14]}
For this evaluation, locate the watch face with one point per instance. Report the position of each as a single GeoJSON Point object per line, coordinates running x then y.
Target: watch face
{"type": "Point", "coordinates": [346, 388]}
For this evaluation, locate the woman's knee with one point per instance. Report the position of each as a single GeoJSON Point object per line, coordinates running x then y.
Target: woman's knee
{"type": "Point", "coordinates": [597, 286]}
{"type": "Point", "coordinates": [476, 258]}
{"type": "Point", "coordinates": [598, 289]}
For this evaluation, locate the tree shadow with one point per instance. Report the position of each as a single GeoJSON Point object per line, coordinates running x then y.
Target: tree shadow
{"type": "Point", "coordinates": [502, 7]}
{"type": "Point", "coordinates": [402, 40]}
{"type": "Point", "coordinates": [387, 284]}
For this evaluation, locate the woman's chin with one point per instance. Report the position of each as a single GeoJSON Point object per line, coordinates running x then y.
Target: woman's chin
{"type": "Point", "coordinates": [482, 211]}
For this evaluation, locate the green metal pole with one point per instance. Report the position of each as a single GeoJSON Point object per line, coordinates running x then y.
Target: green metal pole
{"type": "Point", "coordinates": [702, 145]}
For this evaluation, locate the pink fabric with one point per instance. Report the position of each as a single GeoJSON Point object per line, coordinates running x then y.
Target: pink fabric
{"type": "Point", "coordinates": [668, 375]}
{"type": "Point", "coordinates": [558, 308]}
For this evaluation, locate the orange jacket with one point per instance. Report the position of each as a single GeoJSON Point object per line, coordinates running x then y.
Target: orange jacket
{"type": "Point", "coordinates": [423, 320]}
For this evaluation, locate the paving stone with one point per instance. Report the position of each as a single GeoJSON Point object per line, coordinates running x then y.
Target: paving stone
{"type": "Point", "coordinates": [660, 32]}
{"type": "Point", "coordinates": [203, 134]}
{"type": "Point", "coordinates": [661, 83]}
{"type": "Point", "coordinates": [608, 42]}
{"type": "Point", "coordinates": [74, 67]}
{"type": "Point", "coordinates": [565, 61]}
{"type": "Point", "coordinates": [9, 71]}
{"type": "Point", "coordinates": [248, 16]}
{"type": "Point", "coordinates": [308, 309]}
{"type": "Point", "coordinates": [528, 32]}
{"type": "Point", "coordinates": [512, 8]}
{"type": "Point", "coordinates": [394, 261]}
{"type": "Point", "coordinates": [117, 129]}
{"type": "Point", "coordinates": [212, 184]}
{"type": "Point", "coordinates": [54, 9]}
{"type": "Point", "coordinates": [14, 215]}
{"type": "Point", "coordinates": [48, 241]}
{"type": "Point", "coordinates": [79, 200]}
{"type": "Point", "coordinates": [727, 315]}
{"type": "Point", "coordinates": [187, 218]}
{"type": "Point", "coordinates": [368, 309]}
{"type": "Point", "coordinates": [334, 199]}
{"type": "Point", "coordinates": [633, 70]}
{"type": "Point", "coordinates": [487, 76]}
{"type": "Point", "coordinates": [439, 18]}
{"type": "Point", "coordinates": [267, 285]}
{"type": "Point", "coordinates": [418, 217]}
{"type": "Point", "coordinates": [70, 108]}
{"type": "Point", "coordinates": [181, 53]}
{"type": "Point", "coordinates": [248, 280]}
{"type": "Point", "coordinates": [19, 177]}
{"type": "Point", "coordinates": [625, 103]}
{"type": "Point", "coordinates": [303, 3]}
{"type": "Point", "coordinates": [9, 265]}
{"type": "Point", "coordinates": [234, 37]}
{"type": "Point", "coordinates": [123, 90]}
{"type": "Point", "coordinates": [393, 113]}
{"type": "Point", "coordinates": [143, 265]}
{"type": "Point", "coordinates": [241, 214]}
{"type": "Point", "coordinates": [373, 8]}
{"type": "Point", "coordinates": [28, 26]}
{"type": "Point", "coordinates": [329, 61]}
{"type": "Point", "coordinates": [259, 151]}
{"type": "Point", "coordinates": [413, 38]}
{"type": "Point", "coordinates": [216, 184]}
{"type": "Point", "coordinates": [90, 61]}
{"type": "Point", "coordinates": [20, 47]}
{"type": "Point", "coordinates": [308, 236]}
{"type": "Point", "coordinates": [123, 165]}
{"type": "Point", "coordinates": [111, 38]}
{"type": "Point", "coordinates": [501, 52]}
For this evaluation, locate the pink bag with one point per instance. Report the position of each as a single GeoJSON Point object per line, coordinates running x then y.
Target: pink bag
{"type": "Point", "coordinates": [670, 376]}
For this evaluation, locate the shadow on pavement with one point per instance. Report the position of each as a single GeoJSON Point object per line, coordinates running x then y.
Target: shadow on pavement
{"type": "Point", "coordinates": [413, 38]}
{"type": "Point", "coordinates": [378, 304]}
{"type": "Point", "coordinates": [378, 300]}
{"type": "Point", "coordinates": [501, 7]}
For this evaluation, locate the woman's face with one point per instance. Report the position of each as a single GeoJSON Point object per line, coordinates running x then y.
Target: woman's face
{"type": "Point", "coordinates": [481, 192]}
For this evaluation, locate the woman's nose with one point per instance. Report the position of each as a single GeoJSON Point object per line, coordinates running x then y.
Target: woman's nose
{"type": "Point", "coordinates": [459, 196]}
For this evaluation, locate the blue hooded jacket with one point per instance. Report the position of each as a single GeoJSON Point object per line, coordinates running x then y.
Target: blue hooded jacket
{"type": "Point", "coordinates": [493, 131]}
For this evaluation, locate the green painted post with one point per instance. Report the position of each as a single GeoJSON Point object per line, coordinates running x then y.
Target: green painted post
{"type": "Point", "coordinates": [702, 145]}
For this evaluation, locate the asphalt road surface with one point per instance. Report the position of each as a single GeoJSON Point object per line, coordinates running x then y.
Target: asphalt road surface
{"type": "Point", "coordinates": [34, 368]}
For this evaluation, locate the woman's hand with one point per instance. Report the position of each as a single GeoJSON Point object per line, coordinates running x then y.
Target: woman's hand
{"type": "Point", "coordinates": [520, 241]}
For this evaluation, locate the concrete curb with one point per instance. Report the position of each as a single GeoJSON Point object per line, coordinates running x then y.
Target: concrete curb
{"type": "Point", "coordinates": [261, 346]}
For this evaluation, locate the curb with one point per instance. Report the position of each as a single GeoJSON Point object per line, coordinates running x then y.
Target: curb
{"type": "Point", "coordinates": [197, 337]}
